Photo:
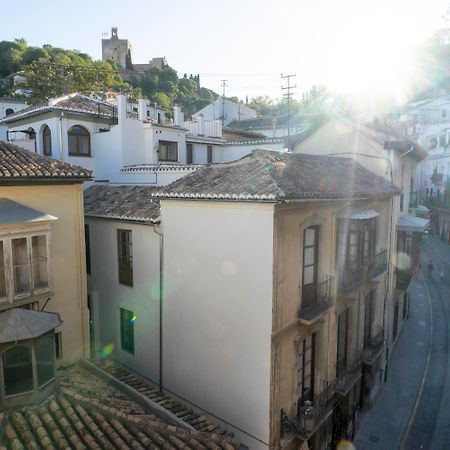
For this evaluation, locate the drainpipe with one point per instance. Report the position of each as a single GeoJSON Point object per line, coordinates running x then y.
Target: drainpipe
{"type": "Point", "coordinates": [61, 153]}
{"type": "Point", "coordinates": [161, 279]}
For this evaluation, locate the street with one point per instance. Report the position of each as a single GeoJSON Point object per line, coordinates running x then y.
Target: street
{"type": "Point", "coordinates": [413, 411]}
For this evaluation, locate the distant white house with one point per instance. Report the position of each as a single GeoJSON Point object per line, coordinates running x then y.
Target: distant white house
{"type": "Point", "coordinates": [226, 111]}
{"type": "Point", "coordinates": [127, 141]}
{"type": "Point", "coordinates": [8, 106]}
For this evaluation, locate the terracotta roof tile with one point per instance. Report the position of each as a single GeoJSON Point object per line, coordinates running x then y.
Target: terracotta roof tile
{"type": "Point", "coordinates": [130, 203]}
{"type": "Point", "coordinates": [18, 165]}
{"type": "Point", "coordinates": [274, 176]}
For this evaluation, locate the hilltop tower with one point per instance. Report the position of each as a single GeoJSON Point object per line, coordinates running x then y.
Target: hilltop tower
{"type": "Point", "coordinates": [116, 49]}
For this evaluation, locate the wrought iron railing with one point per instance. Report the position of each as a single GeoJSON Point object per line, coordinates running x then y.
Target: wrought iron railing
{"type": "Point", "coordinates": [378, 264]}
{"type": "Point", "coordinates": [373, 346]}
{"type": "Point", "coordinates": [347, 375]}
{"type": "Point", "coordinates": [351, 278]}
{"type": "Point", "coordinates": [311, 414]}
{"type": "Point", "coordinates": [323, 300]}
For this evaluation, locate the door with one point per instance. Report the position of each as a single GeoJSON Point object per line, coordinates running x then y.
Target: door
{"type": "Point", "coordinates": [368, 317]}
{"type": "Point", "coordinates": [310, 258]}
{"type": "Point", "coordinates": [342, 343]}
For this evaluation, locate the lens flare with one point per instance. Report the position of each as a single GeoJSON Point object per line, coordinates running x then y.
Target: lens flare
{"type": "Point", "coordinates": [107, 350]}
{"type": "Point", "coordinates": [345, 444]}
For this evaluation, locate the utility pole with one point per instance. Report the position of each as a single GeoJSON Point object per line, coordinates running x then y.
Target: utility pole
{"type": "Point", "coordinates": [224, 85]}
{"type": "Point", "coordinates": [288, 97]}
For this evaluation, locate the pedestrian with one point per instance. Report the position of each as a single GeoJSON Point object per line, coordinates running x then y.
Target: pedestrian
{"type": "Point", "coordinates": [430, 267]}
{"type": "Point", "coordinates": [441, 273]}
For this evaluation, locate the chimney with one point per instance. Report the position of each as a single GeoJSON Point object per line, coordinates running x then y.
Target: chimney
{"type": "Point", "coordinates": [178, 116]}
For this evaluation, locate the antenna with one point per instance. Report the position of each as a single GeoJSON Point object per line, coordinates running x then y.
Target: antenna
{"type": "Point", "coordinates": [288, 97]}
{"type": "Point", "coordinates": [224, 85]}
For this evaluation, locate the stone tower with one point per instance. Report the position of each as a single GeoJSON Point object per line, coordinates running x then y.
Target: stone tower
{"type": "Point", "coordinates": [116, 49]}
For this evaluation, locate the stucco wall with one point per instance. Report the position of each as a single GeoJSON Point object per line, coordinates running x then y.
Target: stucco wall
{"type": "Point", "coordinates": [68, 259]}
{"type": "Point", "coordinates": [217, 310]}
{"type": "Point", "coordinates": [142, 298]}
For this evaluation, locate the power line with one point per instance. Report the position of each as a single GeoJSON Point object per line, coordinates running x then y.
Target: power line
{"type": "Point", "coordinates": [288, 97]}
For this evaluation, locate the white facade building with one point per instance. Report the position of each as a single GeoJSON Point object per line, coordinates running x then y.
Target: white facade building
{"type": "Point", "coordinates": [126, 141]}
{"type": "Point", "coordinates": [226, 111]}
{"type": "Point", "coordinates": [8, 106]}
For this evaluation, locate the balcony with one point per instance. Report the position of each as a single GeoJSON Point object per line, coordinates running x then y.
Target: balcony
{"type": "Point", "coordinates": [323, 301]}
{"type": "Point", "coordinates": [378, 265]}
{"type": "Point", "coordinates": [374, 347]}
{"type": "Point", "coordinates": [310, 415]}
{"type": "Point", "coordinates": [348, 375]}
{"type": "Point", "coordinates": [350, 279]}
{"type": "Point", "coordinates": [402, 279]}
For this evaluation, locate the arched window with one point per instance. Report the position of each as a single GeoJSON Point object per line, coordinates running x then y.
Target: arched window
{"type": "Point", "coordinates": [31, 133]}
{"type": "Point", "coordinates": [9, 111]}
{"type": "Point", "coordinates": [79, 141]}
{"type": "Point", "coordinates": [47, 141]}
{"type": "Point", "coordinates": [17, 370]}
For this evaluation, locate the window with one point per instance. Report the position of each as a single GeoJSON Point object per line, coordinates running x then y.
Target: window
{"type": "Point", "coordinates": [310, 259]}
{"type": "Point", "coordinates": [368, 318]}
{"type": "Point", "coordinates": [342, 343]}
{"type": "Point", "coordinates": [127, 319]}
{"type": "Point", "coordinates": [58, 345]}
{"type": "Point", "coordinates": [24, 266]}
{"type": "Point", "coordinates": [356, 242]}
{"type": "Point", "coordinates": [189, 153]}
{"type": "Point", "coordinates": [168, 151]}
{"type": "Point", "coordinates": [433, 142]}
{"type": "Point", "coordinates": [39, 262]}
{"type": "Point", "coordinates": [444, 113]}
{"type": "Point", "coordinates": [306, 365]}
{"type": "Point", "coordinates": [209, 154]}
{"type": "Point", "coordinates": [3, 291]}
{"type": "Point", "coordinates": [47, 141]}
{"type": "Point", "coordinates": [88, 249]}
{"type": "Point", "coordinates": [9, 111]}
{"type": "Point", "coordinates": [79, 141]}
{"type": "Point", "coordinates": [17, 370]}
{"type": "Point", "coordinates": [442, 140]}
{"type": "Point", "coordinates": [125, 254]}
{"type": "Point", "coordinates": [44, 348]}
{"type": "Point", "coordinates": [395, 322]}
{"type": "Point", "coordinates": [21, 266]}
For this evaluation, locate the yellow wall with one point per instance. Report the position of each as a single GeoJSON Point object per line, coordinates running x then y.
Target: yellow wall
{"type": "Point", "coordinates": [68, 259]}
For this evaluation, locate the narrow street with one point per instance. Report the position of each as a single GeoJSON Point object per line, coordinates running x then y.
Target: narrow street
{"type": "Point", "coordinates": [413, 411]}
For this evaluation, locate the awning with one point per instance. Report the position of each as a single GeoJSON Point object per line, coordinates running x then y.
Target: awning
{"type": "Point", "coordinates": [411, 223]}
{"type": "Point", "coordinates": [12, 212]}
{"type": "Point", "coordinates": [357, 214]}
{"type": "Point", "coordinates": [18, 324]}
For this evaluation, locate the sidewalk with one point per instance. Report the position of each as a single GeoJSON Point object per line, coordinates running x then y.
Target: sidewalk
{"type": "Point", "coordinates": [383, 426]}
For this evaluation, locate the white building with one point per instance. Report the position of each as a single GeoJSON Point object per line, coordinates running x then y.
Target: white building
{"type": "Point", "coordinates": [226, 111]}
{"type": "Point", "coordinates": [428, 122]}
{"type": "Point", "coordinates": [126, 141]}
{"type": "Point", "coordinates": [8, 106]}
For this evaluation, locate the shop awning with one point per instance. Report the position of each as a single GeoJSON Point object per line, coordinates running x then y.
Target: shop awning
{"type": "Point", "coordinates": [18, 324]}
{"type": "Point", "coordinates": [357, 214]}
{"type": "Point", "coordinates": [12, 212]}
{"type": "Point", "coordinates": [411, 223]}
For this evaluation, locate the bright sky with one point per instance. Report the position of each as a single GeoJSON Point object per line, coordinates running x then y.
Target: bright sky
{"type": "Point", "coordinates": [346, 45]}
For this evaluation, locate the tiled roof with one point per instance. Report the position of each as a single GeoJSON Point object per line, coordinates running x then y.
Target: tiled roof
{"type": "Point", "coordinates": [267, 122]}
{"type": "Point", "coordinates": [272, 176]}
{"type": "Point", "coordinates": [130, 203]}
{"type": "Point", "coordinates": [195, 420]}
{"type": "Point", "coordinates": [160, 167]}
{"type": "Point", "coordinates": [20, 165]}
{"type": "Point", "coordinates": [88, 413]}
{"type": "Point", "coordinates": [234, 134]}
{"type": "Point", "coordinates": [73, 103]}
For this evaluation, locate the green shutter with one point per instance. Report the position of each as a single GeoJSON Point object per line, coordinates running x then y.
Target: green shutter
{"type": "Point", "coordinates": [127, 319]}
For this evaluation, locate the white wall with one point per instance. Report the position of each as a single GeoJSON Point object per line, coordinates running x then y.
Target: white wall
{"type": "Point", "coordinates": [218, 310]}
{"type": "Point", "coordinates": [230, 110]}
{"type": "Point", "coordinates": [142, 298]}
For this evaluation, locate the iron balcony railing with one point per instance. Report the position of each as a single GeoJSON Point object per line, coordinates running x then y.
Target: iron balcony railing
{"type": "Point", "coordinates": [348, 375]}
{"type": "Point", "coordinates": [310, 415]}
{"type": "Point", "coordinates": [350, 279]}
{"type": "Point", "coordinates": [323, 300]}
{"type": "Point", "coordinates": [374, 346]}
{"type": "Point", "coordinates": [378, 264]}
